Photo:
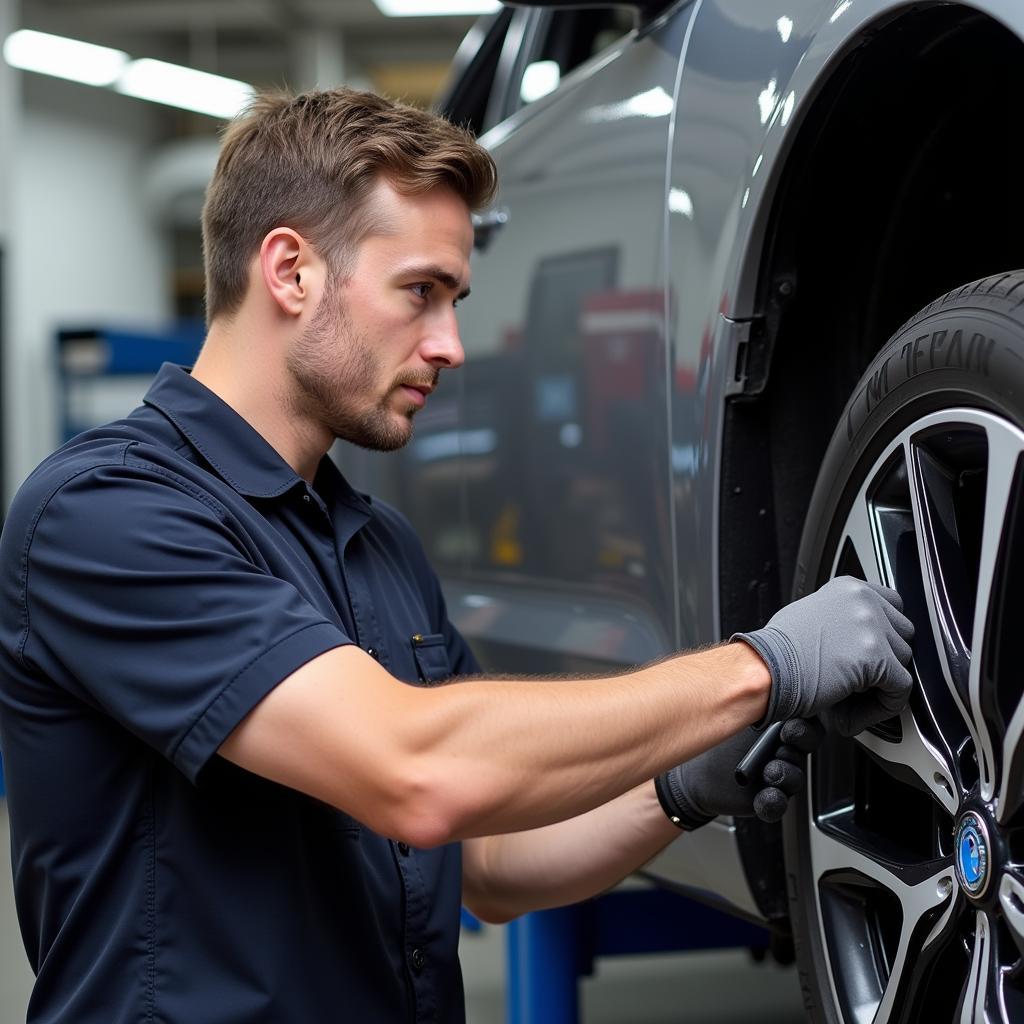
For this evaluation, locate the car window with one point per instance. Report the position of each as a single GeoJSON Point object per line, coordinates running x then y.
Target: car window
{"type": "Point", "coordinates": [512, 58]}
{"type": "Point", "coordinates": [466, 97]}
{"type": "Point", "coordinates": [565, 40]}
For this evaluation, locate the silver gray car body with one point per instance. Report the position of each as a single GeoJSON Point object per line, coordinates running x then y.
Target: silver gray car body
{"type": "Point", "coordinates": [571, 481]}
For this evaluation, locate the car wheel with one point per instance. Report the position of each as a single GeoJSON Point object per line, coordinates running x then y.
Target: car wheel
{"type": "Point", "coordinates": [905, 853]}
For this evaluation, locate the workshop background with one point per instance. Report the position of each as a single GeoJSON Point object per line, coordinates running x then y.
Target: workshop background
{"type": "Point", "coordinates": [100, 194]}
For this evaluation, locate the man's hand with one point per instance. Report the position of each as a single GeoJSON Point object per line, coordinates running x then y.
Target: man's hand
{"type": "Point", "coordinates": [700, 789]}
{"type": "Point", "coordinates": [840, 653]}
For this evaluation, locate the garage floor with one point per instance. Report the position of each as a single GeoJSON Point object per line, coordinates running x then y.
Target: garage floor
{"type": "Point", "coordinates": [695, 988]}
{"type": "Point", "coordinates": [689, 988]}
{"type": "Point", "coordinates": [15, 976]}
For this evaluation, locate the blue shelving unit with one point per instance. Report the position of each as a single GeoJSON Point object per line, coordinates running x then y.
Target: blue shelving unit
{"type": "Point", "coordinates": [98, 368]}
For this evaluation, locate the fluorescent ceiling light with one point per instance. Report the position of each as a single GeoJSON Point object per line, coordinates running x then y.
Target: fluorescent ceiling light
{"type": "Point", "coordinates": [187, 88]}
{"type": "Point", "coordinates": [64, 58]}
{"type": "Point", "coordinates": [434, 8]}
{"type": "Point", "coordinates": [145, 79]}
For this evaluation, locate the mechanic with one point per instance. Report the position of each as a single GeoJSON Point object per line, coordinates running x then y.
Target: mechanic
{"type": "Point", "coordinates": [226, 803]}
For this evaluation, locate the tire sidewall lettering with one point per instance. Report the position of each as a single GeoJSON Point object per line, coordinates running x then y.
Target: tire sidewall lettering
{"type": "Point", "coordinates": [947, 347]}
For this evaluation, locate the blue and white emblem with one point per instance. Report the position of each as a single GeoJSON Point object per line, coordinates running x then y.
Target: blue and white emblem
{"type": "Point", "coordinates": [971, 854]}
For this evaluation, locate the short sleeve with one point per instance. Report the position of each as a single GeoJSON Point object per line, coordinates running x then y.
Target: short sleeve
{"type": "Point", "coordinates": [145, 603]}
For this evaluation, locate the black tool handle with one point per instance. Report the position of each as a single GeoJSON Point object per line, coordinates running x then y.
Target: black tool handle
{"type": "Point", "coordinates": [763, 750]}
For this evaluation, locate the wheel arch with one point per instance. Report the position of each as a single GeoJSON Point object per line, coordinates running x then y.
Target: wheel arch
{"type": "Point", "coordinates": [884, 199]}
{"type": "Point", "coordinates": [897, 186]}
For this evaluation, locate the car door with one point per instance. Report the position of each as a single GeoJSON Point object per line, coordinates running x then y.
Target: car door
{"type": "Point", "coordinates": [424, 479]}
{"type": "Point", "coordinates": [564, 434]}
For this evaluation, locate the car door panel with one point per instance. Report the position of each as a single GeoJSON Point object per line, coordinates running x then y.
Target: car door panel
{"type": "Point", "coordinates": [567, 499]}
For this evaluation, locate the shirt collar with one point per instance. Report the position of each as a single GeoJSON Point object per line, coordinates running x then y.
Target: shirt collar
{"type": "Point", "coordinates": [239, 453]}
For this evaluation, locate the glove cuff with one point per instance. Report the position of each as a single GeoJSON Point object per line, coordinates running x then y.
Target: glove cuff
{"type": "Point", "coordinates": [676, 806]}
{"type": "Point", "coordinates": [778, 653]}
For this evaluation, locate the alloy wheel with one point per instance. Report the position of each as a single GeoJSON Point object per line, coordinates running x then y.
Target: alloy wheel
{"type": "Point", "coordinates": [915, 832]}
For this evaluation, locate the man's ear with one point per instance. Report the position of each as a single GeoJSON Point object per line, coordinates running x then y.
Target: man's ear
{"type": "Point", "coordinates": [289, 270]}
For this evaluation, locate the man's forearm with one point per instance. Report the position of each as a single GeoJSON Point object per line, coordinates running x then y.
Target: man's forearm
{"type": "Point", "coordinates": [520, 755]}
{"type": "Point", "coordinates": [489, 756]}
{"type": "Point", "coordinates": [508, 875]}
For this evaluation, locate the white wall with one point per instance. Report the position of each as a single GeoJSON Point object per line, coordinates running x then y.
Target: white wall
{"type": "Point", "coordinates": [79, 248]}
{"type": "Point", "coordinates": [82, 248]}
{"type": "Point", "coordinates": [10, 101]}
{"type": "Point", "coordinates": [15, 975]}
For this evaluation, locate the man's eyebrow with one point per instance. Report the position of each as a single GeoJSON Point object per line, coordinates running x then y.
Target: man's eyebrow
{"type": "Point", "coordinates": [439, 274]}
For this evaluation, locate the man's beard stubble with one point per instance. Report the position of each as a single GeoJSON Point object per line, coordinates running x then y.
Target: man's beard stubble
{"type": "Point", "coordinates": [334, 369]}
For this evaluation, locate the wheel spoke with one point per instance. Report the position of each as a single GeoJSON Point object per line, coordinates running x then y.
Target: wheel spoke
{"type": "Point", "coordinates": [1011, 900]}
{"type": "Point", "coordinates": [1011, 765]}
{"type": "Point", "coordinates": [926, 894]}
{"type": "Point", "coordinates": [887, 529]}
{"type": "Point", "coordinates": [927, 914]}
{"type": "Point", "coordinates": [1000, 738]}
{"type": "Point", "coordinates": [913, 955]}
{"type": "Point", "coordinates": [925, 761]}
{"type": "Point", "coordinates": [1004, 450]}
{"type": "Point", "coordinates": [982, 1000]}
{"type": "Point", "coordinates": [972, 999]}
{"type": "Point", "coordinates": [859, 534]}
{"type": "Point", "coordinates": [930, 514]}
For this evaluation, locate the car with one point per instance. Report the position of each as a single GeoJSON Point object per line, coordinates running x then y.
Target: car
{"type": "Point", "coordinates": [746, 315]}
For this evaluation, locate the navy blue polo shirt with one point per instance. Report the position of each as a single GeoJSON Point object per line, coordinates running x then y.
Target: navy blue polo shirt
{"type": "Point", "coordinates": [158, 577]}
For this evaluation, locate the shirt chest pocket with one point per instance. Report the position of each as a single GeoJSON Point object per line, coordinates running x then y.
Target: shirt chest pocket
{"type": "Point", "coordinates": [431, 657]}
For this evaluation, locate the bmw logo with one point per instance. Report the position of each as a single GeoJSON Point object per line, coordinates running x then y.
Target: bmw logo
{"type": "Point", "coordinates": [971, 854]}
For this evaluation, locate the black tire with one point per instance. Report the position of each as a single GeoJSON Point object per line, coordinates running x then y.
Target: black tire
{"type": "Point", "coordinates": [921, 488]}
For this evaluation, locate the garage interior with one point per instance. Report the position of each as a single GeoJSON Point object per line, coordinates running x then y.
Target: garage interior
{"type": "Point", "coordinates": [85, 163]}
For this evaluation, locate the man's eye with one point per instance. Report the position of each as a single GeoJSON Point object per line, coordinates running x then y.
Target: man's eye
{"type": "Point", "coordinates": [421, 290]}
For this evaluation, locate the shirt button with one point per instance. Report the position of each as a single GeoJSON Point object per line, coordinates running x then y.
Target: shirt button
{"type": "Point", "coordinates": [372, 652]}
{"type": "Point", "coordinates": [403, 849]}
{"type": "Point", "coordinates": [418, 959]}
{"type": "Point", "coordinates": [306, 498]}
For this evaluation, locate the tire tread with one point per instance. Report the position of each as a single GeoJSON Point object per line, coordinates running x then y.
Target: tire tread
{"type": "Point", "coordinates": [992, 292]}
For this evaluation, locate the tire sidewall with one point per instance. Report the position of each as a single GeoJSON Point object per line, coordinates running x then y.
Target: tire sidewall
{"type": "Point", "coordinates": [927, 366]}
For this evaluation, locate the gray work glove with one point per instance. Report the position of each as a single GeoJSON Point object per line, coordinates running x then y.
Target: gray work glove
{"type": "Point", "coordinates": [839, 653]}
{"type": "Point", "coordinates": [695, 792]}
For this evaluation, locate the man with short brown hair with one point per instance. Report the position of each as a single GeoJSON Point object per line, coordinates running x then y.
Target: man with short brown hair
{"type": "Point", "coordinates": [227, 803]}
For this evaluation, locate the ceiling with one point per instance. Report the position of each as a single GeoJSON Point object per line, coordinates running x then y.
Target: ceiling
{"type": "Point", "coordinates": [297, 43]}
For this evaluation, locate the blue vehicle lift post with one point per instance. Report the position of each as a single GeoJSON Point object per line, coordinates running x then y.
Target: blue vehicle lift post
{"type": "Point", "coordinates": [549, 951]}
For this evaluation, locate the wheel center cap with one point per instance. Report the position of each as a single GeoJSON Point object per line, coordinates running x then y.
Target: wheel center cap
{"type": "Point", "coordinates": [972, 854]}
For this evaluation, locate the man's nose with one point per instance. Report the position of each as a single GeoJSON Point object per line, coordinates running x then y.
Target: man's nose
{"type": "Point", "coordinates": [443, 347]}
